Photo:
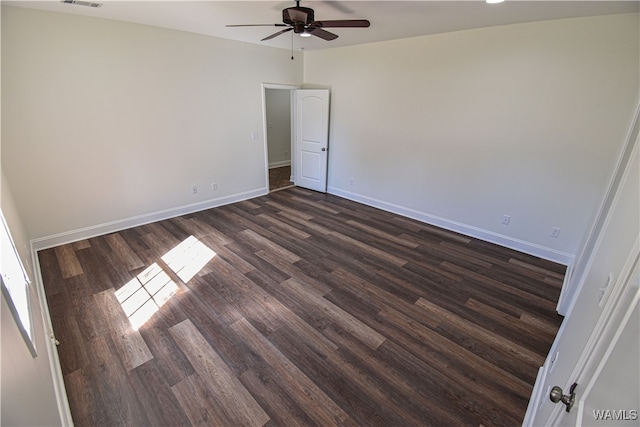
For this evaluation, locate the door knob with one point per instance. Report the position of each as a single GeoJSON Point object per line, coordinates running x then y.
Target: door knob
{"type": "Point", "coordinates": [556, 396]}
{"type": "Point", "coordinates": [323, 149]}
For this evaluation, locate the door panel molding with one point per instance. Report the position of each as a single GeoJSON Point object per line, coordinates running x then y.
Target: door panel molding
{"type": "Point", "coordinates": [311, 141]}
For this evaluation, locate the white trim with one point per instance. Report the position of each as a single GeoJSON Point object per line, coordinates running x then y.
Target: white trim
{"type": "Point", "coordinates": [468, 230]}
{"type": "Point", "coordinates": [534, 401]}
{"type": "Point", "coordinates": [64, 410]}
{"type": "Point", "coordinates": [279, 164]}
{"type": "Point", "coordinates": [122, 224]}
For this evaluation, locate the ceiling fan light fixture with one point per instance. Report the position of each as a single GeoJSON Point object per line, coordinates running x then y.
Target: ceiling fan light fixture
{"type": "Point", "coordinates": [305, 34]}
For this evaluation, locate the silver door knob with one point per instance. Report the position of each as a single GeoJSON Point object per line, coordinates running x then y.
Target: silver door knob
{"type": "Point", "coordinates": [556, 396]}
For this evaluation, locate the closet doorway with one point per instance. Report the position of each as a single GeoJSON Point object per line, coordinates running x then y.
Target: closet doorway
{"type": "Point", "coordinates": [278, 133]}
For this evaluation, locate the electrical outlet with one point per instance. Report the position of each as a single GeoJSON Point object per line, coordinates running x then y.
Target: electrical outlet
{"type": "Point", "coordinates": [555, 232]}
{"type": "Point", "coordinates": [194, 189]}
{"type": "Point", "coordinates": [506, 219]}
{"type": "Point", "coordinates": [214, 186]}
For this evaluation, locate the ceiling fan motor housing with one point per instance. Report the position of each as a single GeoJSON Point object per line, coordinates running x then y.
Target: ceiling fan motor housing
{"type": "Point", "coordinates": [297, 15]}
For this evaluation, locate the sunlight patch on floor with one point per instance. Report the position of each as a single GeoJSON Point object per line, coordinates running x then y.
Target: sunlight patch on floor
{"type": "Point", "coordinates": [188, 258]}
{"type": "Point", "coordinates": [143, 295]}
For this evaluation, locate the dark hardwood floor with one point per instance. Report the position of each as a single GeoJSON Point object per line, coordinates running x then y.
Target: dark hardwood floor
{"type": "Point", "coordinates": [298, 308]}
{"type": "Point", "coordinates": [280, 178]}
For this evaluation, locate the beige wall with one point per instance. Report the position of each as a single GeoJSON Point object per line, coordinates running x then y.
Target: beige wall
{"type": "Point", "coordinates": [105, 121]}
{"type": "Point", "coordinates": [462, 128]}
{"type": "Point", "coordinates": [26, 382]}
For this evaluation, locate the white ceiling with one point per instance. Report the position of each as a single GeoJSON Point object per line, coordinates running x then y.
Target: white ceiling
{"type": "Point", "coordinates": [389, 19]}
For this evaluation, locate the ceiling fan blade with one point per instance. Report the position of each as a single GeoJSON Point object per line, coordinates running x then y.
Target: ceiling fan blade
{"type": "Point", "coordinates": [319, 32]}
{"type": "Point", "coordinates": [276, 34]}
{"type": "Point", "coordinates": [343, 23]}
{"type": "Point", "coordinates": [257, 25]}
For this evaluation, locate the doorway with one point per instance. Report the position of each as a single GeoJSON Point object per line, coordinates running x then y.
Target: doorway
{"type": "Point", "coordinates": [296, 129]}
{"type": "Point", "coordinates": [278, 135]}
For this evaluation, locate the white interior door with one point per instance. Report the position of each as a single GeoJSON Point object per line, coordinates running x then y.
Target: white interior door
{"type": "Point", "coordinates": [311, 127]}
{"type": "Point", "coordinates": [593, 345]}
{"type": "Point", "coordinates": [611, 387]}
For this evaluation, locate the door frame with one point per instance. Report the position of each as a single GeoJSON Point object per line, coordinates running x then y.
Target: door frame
{"type": "Point", "coordinates": [291, 88]}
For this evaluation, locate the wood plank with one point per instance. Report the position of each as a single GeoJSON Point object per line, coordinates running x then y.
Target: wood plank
{"type": "Point", "coordinates": [369, 250]}
{"type": "Point", "coordinates": [261, 242]}
{"type": "Point", "coordinates": [495, 284]}
{"type": "Point", "coordinates": [368, 400]}
{"type": "Point", "coordinates": [418, 409]}
{"type": "Point", "coordinates": [305, 392]}
{"type": "Point", "coordinates": [483, 334]}
{"type": "Point", "coordinates": [195, 399]}
{"type": "Point", "coordinates": [122, 249]}
{"type": "Point", "coordinates": [456, 351]}
{"type": "Point", "coordinates": [82, 244]}
{"type": "Point", "coordinates": [274, 399]}
{"type": "Point", "coordinates": [275, 222]}
{"type": "Point", "coordinates": [540, 322]}
{"type": "Point", "coordinates": [233, 402]}
{"type": "Point", "coordinates": [156, 397]}
{"type": "Point", "coordinates": [383, 235]}
{"type": "Point", "coordinates": [336, 314]}
{"type": "Point", "coordinates": [293, 271]}
{"type": "Point", "coordinates": [83, 400]}
{"type": "Point", "coordinates": [111, 381]}
{"type": "Point", "coordinates": [68, 262]}
{"type": "Point", "coordinates": [513, 328]}
{"type": "Point", "coordinates": [129, 343]}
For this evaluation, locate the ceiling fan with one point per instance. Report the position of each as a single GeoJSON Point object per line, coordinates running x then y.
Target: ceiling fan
{"type": "Point", "coordinates": [302, 21]}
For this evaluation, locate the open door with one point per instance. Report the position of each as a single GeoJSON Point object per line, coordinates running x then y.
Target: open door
{"type": "Point", "coordinates": [311, 138]}
{"type": "Point", "coordinates": [610, 392]}
{"type": "Point", "coordinates": [592, 367]}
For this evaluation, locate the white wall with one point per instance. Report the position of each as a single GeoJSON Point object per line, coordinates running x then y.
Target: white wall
{"type": "Point", "coordinates": [26, 382]}
{"type": "Point", "coordinates": [462, 128]}
{"type": "Point", "coordinates": [278, 106]}
{"type": "Point", "coordinates": [105, 121]}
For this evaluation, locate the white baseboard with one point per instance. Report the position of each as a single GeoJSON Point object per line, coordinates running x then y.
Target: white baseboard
{"type": "Point", "coordinates": [279, 164]}
{"type": "Point", "coordinates": [122, 224]}
{"type": "Point", "coordinates": [468, 230]}
{"type": "Point", "coordinates": [59, 389]}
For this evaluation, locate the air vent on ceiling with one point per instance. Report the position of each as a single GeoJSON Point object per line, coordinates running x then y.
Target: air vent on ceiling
{"type": "Point", "coordinates": [82, 3]}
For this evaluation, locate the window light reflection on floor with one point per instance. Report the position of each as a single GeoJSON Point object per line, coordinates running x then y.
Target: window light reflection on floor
{"type": "Point", "coordinates": [188, 258]}
{"type": "Point", "coordinates": [143, 295]}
